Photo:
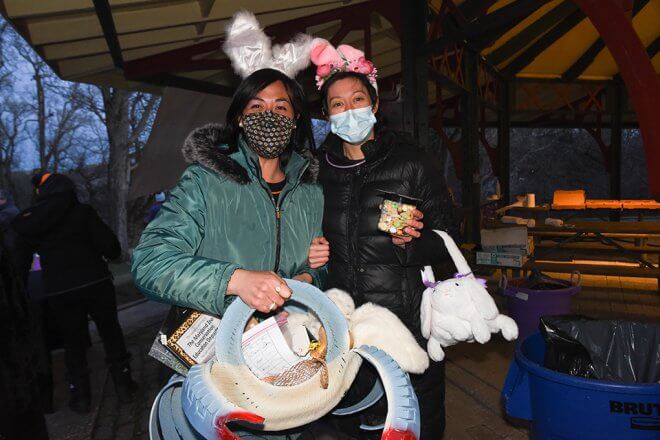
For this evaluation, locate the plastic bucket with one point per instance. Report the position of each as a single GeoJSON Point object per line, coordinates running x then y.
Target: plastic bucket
{"type": "Point", "coordinates": [527, 306]}
{"type": "Point", "coordinates": [566, 407]}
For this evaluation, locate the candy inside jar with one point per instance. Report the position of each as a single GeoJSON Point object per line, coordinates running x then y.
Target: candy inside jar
{"type": "Point", "coordinates": [395, 211]}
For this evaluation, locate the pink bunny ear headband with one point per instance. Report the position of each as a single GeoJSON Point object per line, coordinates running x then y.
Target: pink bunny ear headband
{"type": "Point", "coordinates": [344, 58]}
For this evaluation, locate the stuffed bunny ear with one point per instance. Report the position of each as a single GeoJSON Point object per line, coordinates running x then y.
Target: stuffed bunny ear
{"type": "Point", "coordinates": [350, 53]}
{"type": "Point", "coordinates": [425, 313]}
{"type": "Point", "coordinates": [456, 255]}
{"type": "Point", "coordinates": [322, 52]}
{"type": "Point", "coordinates": [428, 278]}
{"type": "Point", "coordinates": [293, 56]}
{"type": "Point", "coordinates": [246, 44]}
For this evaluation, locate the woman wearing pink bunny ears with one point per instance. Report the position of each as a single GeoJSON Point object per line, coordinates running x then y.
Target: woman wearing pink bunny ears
{"type": "Point", "coordinates": [359, 160]}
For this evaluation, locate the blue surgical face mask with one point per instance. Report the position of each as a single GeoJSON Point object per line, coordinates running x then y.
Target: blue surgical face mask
{"type": "Point", "coordinates": [353, 126]}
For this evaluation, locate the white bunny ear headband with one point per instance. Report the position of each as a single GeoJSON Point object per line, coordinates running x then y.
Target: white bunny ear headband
{"type": "Point", "coordinates": [249, 48]}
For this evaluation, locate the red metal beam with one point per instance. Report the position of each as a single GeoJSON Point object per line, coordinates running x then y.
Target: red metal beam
{"type": "Point", "coordinates": [635, 67]}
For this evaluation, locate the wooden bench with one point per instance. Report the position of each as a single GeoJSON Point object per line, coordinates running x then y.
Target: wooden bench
{"type": "Point", "coordinates": [593, 269]}
{"type": "Point", "coordinates": [597, 247]}
{"type": "Point", "coordinates": [599, 241]}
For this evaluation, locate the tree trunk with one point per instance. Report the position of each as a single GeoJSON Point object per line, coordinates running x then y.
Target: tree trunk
{"type": "Point", "coordinates": [116, 109]}
{"type": "Point", "coordinates": [41, 121]}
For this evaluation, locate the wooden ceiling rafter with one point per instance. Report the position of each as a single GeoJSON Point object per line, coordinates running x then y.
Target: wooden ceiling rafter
{"type": "Point", "coordinates": [318, 3]}
{"type": "Point", "coordinates": [187, 58]}
{"type": "Point", "coordinates": [86, 8]}
{"type": "Point", "coordinates": [531, 33]}
{"type": "Point", "coordinates": [540, 45]}
{"type": "Point", "coordinates": [104, 14]}
{"type": "Point", "coordinates": [488, 28]}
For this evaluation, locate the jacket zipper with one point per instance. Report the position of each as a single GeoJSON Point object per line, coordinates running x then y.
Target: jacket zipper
{"type": "Point", "coordinates": [278, 221]}
{"type": "Point", "coordinates": [354, 245]}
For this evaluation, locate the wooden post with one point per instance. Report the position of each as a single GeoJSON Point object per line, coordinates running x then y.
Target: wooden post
{"type": "Point", "coordinates": [471, 179]}
{"type": "Point", "coordinates": [504, 140]}
{"type": "Point", "coordinates": [415, 73]}
{"type": "Point", "coordinates": [615, 105]}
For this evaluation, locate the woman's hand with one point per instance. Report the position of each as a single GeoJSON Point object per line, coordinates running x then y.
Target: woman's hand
{"type": "Point", "coordinates": [414, 226]}
{"type": "Point", "coordinates": [304, 277]}
{"type": "Point", "coordinates": [262, 291]}
{"type": "Point", "coordinates": [319, 252]}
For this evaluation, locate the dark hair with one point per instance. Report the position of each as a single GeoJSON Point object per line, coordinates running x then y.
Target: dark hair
{"type": "Point", "coordinates": [249, 88]}
{"type": "Point", "coordinates": [373, 94]}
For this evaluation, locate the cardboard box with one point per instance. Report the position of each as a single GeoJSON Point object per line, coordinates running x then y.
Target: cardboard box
{"type": "Point", "coordinates": [526, 249]}
{"type": "Point", "coordinates": [501, 259]}
{"type": "Point", "coordinates": [507, 240]}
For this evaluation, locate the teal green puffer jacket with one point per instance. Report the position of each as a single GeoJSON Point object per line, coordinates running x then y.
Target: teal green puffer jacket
{"type": "Point", "coordinates": [220, 217]}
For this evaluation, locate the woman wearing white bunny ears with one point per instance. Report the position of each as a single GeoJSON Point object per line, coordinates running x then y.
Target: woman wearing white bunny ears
{"type": "Point", "coordinates": [357, 160]}
{"type": "Point", "coordinates": [244, 213]}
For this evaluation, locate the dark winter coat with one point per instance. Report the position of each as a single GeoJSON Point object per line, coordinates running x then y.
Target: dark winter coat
{"type": "Point", "coordinates": [7, 213]}
{"type": "Point", "coordinates": [70, 237]}
{"type": "Point", "coordinates": [363, 260]}
{"type": "Point", "coordinates": [220, 217]}
{"type": "Point", "coordinates": [18, 344]}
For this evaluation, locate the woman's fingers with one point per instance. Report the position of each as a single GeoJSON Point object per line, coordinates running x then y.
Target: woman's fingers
{"type": "Point", "coordinates": [318, 249]}
{"type": "Point", "coordinates": [280, 287]}
{"type": "Point", "coordinates": [415, 224]}
{"type": "Point", "coordinates": [417, 214]}
{"type": "Point", "coordinates": [275, 298]}
{"type": "Point", "coordinates": [319, 254]}
{"type": "Point", "coordinates": [414, 233]}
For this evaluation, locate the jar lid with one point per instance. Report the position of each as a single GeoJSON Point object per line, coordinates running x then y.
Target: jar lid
{"type": "Point", "coordinates": [400, 198]}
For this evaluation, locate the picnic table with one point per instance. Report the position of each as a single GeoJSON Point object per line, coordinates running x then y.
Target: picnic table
{"type": "Point", "coordinates": [634, 242]}
{"type": "Point", "coordinates": [628, 240]}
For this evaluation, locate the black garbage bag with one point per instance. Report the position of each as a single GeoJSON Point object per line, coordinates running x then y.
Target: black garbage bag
{"type": "Point", "coordinates": [538, 281]}
{"type": "Point", "coordinates": [563, 353]}
{"type": "Point", "coordinates": [614, 350]}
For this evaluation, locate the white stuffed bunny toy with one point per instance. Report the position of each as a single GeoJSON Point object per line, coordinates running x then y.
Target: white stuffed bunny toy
{"type": "Point", "coordinates": [459, 309]}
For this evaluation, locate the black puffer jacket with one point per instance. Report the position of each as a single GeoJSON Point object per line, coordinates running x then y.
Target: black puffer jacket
{"type": "Point", "coordinates": [69, 236]}
{"type": "Point", "coordinates": [363, 260]}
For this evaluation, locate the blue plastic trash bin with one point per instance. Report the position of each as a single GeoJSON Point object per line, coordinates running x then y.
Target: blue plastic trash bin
{"type": "Point", "coordinates": [561, 406]}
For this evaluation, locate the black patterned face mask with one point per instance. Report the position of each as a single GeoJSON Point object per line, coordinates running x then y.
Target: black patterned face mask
{"type": "Point", "coordinates": [267, 133]}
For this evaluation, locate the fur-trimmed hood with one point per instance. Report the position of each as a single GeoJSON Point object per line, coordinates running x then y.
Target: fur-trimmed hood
{"type": "Point", "coordinates": [209, 146]}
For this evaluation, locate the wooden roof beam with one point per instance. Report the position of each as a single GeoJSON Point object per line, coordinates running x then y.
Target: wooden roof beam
{"type": "Point", "coordinates": [473, 9]}
{"type": "Point", "coordinates": [489, 28]}
{"type": "Point", "coordinates": [104, 14]}
{"type": "Point", "coordinates": [181, 82]}
{"type": "Point", "coordinates": [588, 57]}
{"type": "Point", "coordinates": [532, 32]}
{"type": "Point", "coordinates": [554, 34]}
{"type": "Point", "coordinates": [352, 17]}
{"type": "Point", "coordinates": [653, 48]}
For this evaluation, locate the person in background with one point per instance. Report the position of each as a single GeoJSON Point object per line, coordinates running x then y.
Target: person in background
{"type": "Point", "coordinates": [8, 211]}
{"type": "Point", "coordinates": [159, 198]}
{"type": "Point", "coordinates": [20, 412]}
{"type": "Point", "coordinates": [74, 245]}
{"type": "Point", "coordinates": [358, 162]}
